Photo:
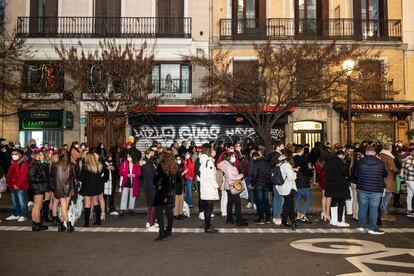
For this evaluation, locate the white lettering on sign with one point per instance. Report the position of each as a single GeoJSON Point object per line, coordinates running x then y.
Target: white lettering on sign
{"type": "Point", "coordinates": [200, 133]}
{"type": "Point", "coordinates": [368, 252]}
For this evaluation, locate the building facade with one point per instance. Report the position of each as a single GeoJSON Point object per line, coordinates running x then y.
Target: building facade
{"type": "Point", "coordinates": [179, 27]}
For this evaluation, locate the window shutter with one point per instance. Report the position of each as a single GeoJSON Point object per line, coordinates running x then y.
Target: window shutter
{"type": "Point", "coordinates": [176, 8]}
{"type": "Point", "coordinates": [163, 8]}
{"type": "Point", "coordinates": [113, 8]}
{"type": "Point", "coordinates": [51, 8]}
{"type": "Point", "coordinates": [100, 8]}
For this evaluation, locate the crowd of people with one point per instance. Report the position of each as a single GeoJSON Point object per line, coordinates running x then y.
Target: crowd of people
{"type": "Point", "coordinates": [358, 180]}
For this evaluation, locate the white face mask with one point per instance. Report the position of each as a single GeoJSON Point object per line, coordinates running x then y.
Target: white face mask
{"type": "Point", "coordinates": [178, 161]}
{"type": "Point", "coordinates": [232, 159]}
{"type": "Point", "coordinates": [83, 147]}
{"type": "Point", "coordinates": [76, 146]}
{"type": "Point", "coordinates": [17, 146]}
{"type": "Point", "coordinates": [129, 159]}
{"type": "Point", "coordinates": [15, 157]}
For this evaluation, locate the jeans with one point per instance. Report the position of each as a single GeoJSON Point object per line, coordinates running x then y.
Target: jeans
{"type": "Point", "coordinates": [277, 203]}
{"type": "Point", "coordinates": [19, 198]}
{"type": "Point", "coordinates": [368, 201]}
{"type": "Point", "coordinates": [127, 199]}
{"type": "Point", "coordinates": [384, 204]}
{"type": "Point", "coordinates": [263, 206]}
{"type": "Point", "coordinates": [410, 193]}
{"type": "Point", "coordinates": [188, 189]}
{"type": "Point", "coordinates": [306, 194]}
{"type": "Point", "coordinates": [233, 199]}
{"type": "Point", "coordinates": [249, 191]}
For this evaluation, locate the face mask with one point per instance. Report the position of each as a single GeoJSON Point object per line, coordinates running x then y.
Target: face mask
{"type": "Point", "coordinates": [76, 146]}
{"type": "Point", "coordinates": [232, 159]}
{"type": "Point", "coordinates": [178, 161]}
{"type": "Point", "coordinates": [129, 159]}
{"type": "Point", "coordinates": [213, 153]}
{"type": "Point", "coordinates": [32, 146]}
{"type": "Point", "coordinates": [83, 148]}
{"type": "Point", "coordinates": [15, 157]}
{"type": "Point", "coordinates": [187, 156]}
{"type": "Point", "coordinates": [3, 150]}
{"type": "Point", "coordinates": [231, 150]}
{"type": "Point", "coordinates": [102, 146]}
{"type": "Point", "coordinates": [17, 146]}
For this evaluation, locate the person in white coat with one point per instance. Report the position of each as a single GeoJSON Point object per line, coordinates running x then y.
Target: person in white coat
{"type": "Point", "coordinates": [208, 186]}
{"type": "Point", "coordinates": [288, 190]}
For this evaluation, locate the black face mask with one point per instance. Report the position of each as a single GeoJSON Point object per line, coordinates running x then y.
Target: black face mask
{"type": "Point", "coordinates": [32, 146]}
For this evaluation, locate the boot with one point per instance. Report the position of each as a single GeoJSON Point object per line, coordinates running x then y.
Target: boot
{"type": "Point", "coordinates": [45, 211]}
{"type": "Point", "coordinates": [70, 228]}
{"type": "Point", "coordinates": [334, 216]}
{"type": "Point", "coordinates": [41, 226]}
{"type": "Point", "coordinates": [61, 227]}
{"type": "Point", "coordinates": [35, 228]}
{"type": "Point", "coordinates": [161, 236]}
{"type": "Point", "coordinates": [55, 221]}
{"type": "Point", "coordinates": [87, 214]}
{"type": "Point", "coordinates": [294, 224]}
{"type": "Point", "coordinates": [97, 215]}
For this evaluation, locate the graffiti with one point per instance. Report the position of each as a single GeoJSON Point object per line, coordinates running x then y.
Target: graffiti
{"type": "Point", "coordinates": [200, 133]}
{"type": "Point", "coordinates": [368, 252]}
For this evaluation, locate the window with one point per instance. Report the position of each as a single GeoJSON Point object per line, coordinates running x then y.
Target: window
{"type": "Point", "coordinates": [373, 71]}
{"type": "Point", "coordinates": [170, 14]}
{"type": "Point", "coordinates": [108, 16]}
{"type": "Point", "coordinates": [171, 78]}
{"type": "Point", "coordinates": [311, 17]}
{"type": "Point", "coordinates": [249, 17]}
{"type": "Point", "coordinates": [370, 18]}
{"type": "Point", "coordinates": [44, 77]}
{"type": "Point", "coordinates": [43, 15]}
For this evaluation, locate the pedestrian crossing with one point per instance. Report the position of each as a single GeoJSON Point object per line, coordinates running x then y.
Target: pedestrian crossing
{"type": "Point", "coordinates": [221, 230]}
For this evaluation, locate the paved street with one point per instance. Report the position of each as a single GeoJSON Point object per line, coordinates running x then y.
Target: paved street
{"type": "Point", "coordinates": [123, 247]}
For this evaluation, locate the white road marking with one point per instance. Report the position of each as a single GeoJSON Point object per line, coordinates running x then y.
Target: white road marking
{"type": "Point", "coordinates": [221, 230]}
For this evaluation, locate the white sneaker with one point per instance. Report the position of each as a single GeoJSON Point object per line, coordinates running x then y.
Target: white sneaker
{"type": "Point", "coordinates": [342, 224]}
{"type": "Point", "coordinates": [21, 219]}
{"type": "Point", "coordinates": [153, 228]}
{"type": "Point", "coordinates": [212, 215]}
{"type": "Point", "coordinates": [30, 204]}
{"type": "Point", "coordinates": [114, 213]}
{"type": "Point", "coordinates": [249, 205]}
{"type": "Point", "coordinates": [147, 225]}
{"type": "Point", "coordinates": [13, 217]}
{"type": "Point", "coordinates": [201, 216]}
{"type": "Point", "coordinates": [376, 232]}
{"type": "Point", "coordinates": [277, 221]}
{"type": "Point", "coordinates": [157, 225]}
{"type": "Point", "coordinates": [361, 229]}
{"type": "Point", "coordinates": [334, 223]}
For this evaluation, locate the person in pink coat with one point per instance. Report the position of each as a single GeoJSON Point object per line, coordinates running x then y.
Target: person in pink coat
{"type": "Point", "coordinates": [129, 172]}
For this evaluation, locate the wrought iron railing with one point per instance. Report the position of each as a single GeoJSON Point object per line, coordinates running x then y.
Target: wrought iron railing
{"type": "Point", "coordinates": [100, 27]}
{"type": "Point", "coordinates": [315, 29]}
{"type": "Point", "coordinates": [178, 86]}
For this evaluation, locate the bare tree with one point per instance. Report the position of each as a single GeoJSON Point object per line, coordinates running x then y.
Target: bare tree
{"type": "Point", "coordinates": [113, 79]}
{"type": "Point", "coordinates": [284, 76]}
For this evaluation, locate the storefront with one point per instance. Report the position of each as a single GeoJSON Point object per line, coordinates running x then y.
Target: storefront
{"type": "Point", "coordinates": [45, 126]}
{"type": "Point", "coordinates": [196, 124]}
{"type": "Point", "coordinates": [383, 122]}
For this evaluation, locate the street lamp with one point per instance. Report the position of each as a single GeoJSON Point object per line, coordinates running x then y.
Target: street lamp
{"type": "Point", "coordinates": [348, 65]}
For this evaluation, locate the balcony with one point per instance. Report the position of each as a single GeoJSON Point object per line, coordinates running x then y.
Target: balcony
{"type": "Point", "coordinates": [310, 29]}
{"type": "Point", "coordinates": [102, 27]}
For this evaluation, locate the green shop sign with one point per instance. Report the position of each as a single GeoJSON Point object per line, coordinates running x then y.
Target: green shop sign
{"type": "Point", "coordinates": [29, 124]}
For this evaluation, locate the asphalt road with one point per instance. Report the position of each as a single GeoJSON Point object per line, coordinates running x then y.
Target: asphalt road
{"type": "Point", "coordinates": [123, 247]}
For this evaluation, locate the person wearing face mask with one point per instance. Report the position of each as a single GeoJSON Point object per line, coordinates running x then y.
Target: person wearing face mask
{"type": "Point", "coordinates": [109, 188]}
{"type": "Point", "coordinates": [39, 179]}
{"type": "Point", "coordinates": [148, 169]}
{"type": "Point", "coordinates": [31, 145]}
{"type": "Point", "coordinates": [179, 198]}
{"type": "Point", "coordinates": [5, 158]}
{"type": "Point", "coordinates": [83, 147]}
{"type": "Point", "coordinates": [74, 152]}
{"type": "Point", "coordinates": [130, 172]}
{"type": "Point", "coordinates": [231, 174]}
{"type": "Point", "coordinates": [188, 178]}
{"type": "Point", "coordinates": [18, 183]}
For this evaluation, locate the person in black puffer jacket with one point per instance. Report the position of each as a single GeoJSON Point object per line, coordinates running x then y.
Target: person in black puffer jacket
{"type": "Point", "coordinates": [39, 180]}
{"type": "Point", "coordinates": [337, 186]}
{"type": "Point", "coordinates": [261, 172]}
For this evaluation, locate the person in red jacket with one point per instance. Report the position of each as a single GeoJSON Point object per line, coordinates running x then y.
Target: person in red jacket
{"type": "Point", "coordinates": [188, 178]}
{"type": "Point", "coordinates": [18, 183]}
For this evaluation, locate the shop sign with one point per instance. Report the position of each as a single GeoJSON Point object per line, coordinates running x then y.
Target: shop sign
{"type": "Point", "coordinates": [35, 124]}
{"type": "Point", "coordinates": [171, 96]}
{"type": "Point", "coordinates": [40, 115]}
{"type": "Point", "coordinates": [381, 107]}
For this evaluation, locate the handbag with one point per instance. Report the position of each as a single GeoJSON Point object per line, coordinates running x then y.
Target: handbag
{"type": "Point", "coordinates": [3, 185]}
{"type": "Point", "coordinates": [236, 187]}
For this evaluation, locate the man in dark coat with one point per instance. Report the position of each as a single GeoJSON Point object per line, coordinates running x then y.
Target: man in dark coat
{"type": "Point", "coordinates": [370, 173]}
{"type": "Point", "coordinates": [261, 172]}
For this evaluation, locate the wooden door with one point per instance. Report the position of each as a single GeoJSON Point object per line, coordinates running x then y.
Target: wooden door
{"type": "Point", "coordinates": [100, 131]}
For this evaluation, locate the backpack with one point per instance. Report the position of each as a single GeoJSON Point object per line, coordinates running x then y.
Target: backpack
{"type": "Point", "coordinates": [276, 177]}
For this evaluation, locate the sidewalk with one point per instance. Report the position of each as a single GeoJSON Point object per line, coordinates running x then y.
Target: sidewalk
{"type": "Point", "coordinates": [140, 205]}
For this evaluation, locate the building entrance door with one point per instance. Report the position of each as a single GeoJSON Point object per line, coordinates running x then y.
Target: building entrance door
{"type": "Point", "coordinates": [307, 132]}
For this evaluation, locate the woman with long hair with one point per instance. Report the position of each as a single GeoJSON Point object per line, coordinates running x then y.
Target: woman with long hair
{"type": "Point", "coordinates": [130, 172]}
{"type": "Point", "coordinates": [39, 178]}
{"type": "Point", "coordinates": [165, 179]}
{"type": "Point", "coordinates": [54, 159]}
{"type": "Point", "coordinates": [48, 193]}
{"type": "Point", "coordinates": [92, 178]}
{"type": "Point", "coordinates": [63, 177]}
{"type": "Point", "coordinates": [74, 152]}
{"type": "Point", "coordinates": [231, 174]}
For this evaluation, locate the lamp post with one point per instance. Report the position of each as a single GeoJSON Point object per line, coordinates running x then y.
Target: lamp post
{"type": "Point", "coordinates": [348, 66]}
